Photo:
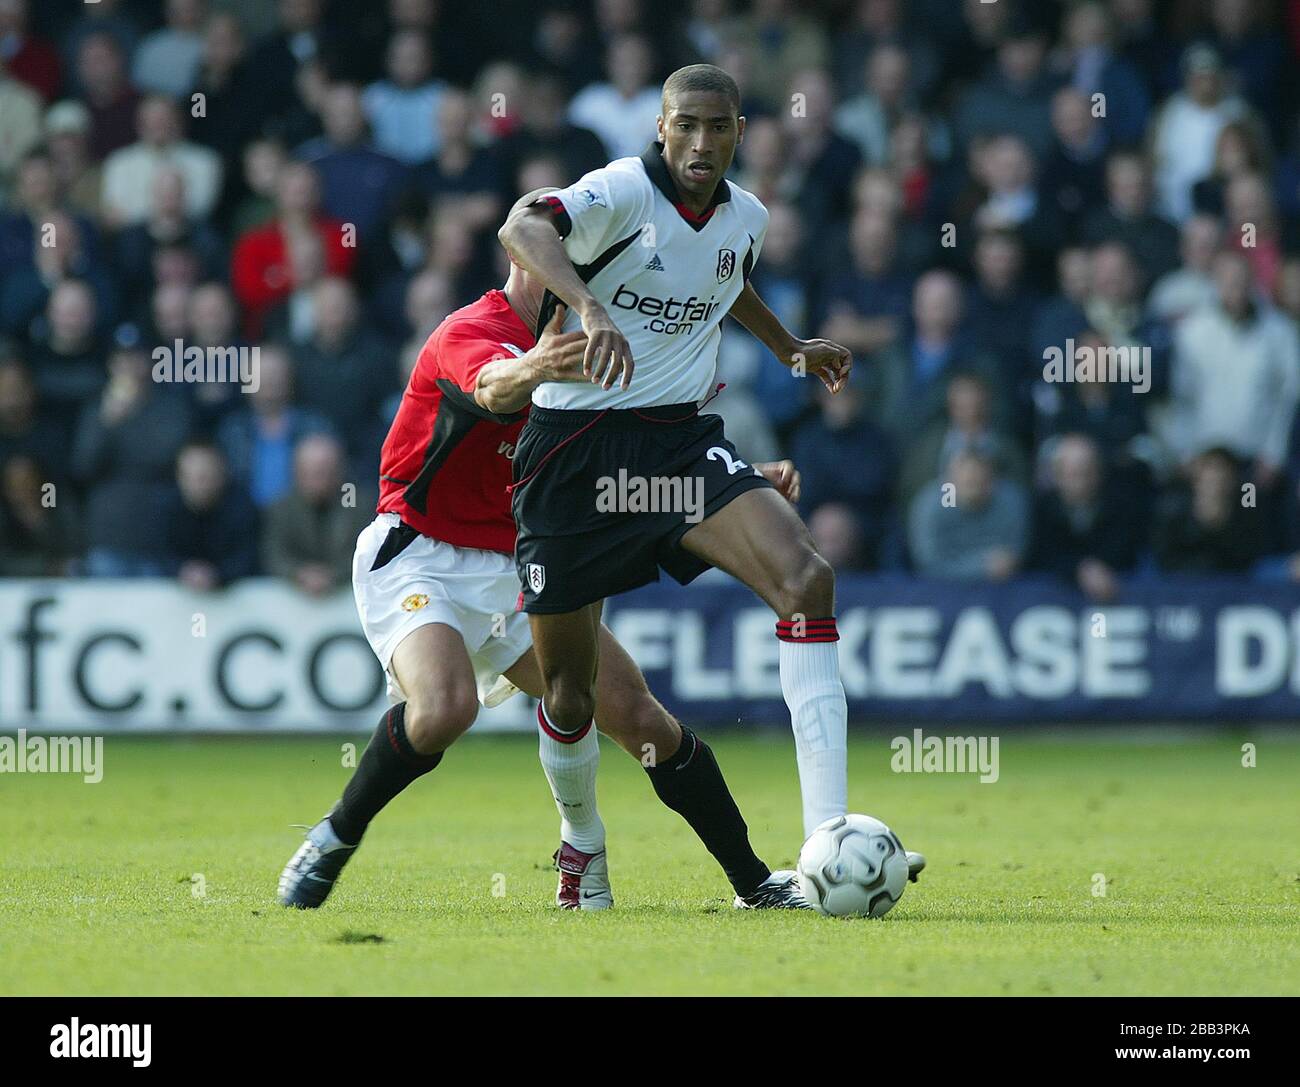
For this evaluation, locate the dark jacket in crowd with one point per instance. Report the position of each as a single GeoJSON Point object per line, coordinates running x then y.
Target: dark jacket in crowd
{"type": "Point", "coordinates": [128, 469]}
{"type": "Point", "coordinates": [1184, 546]}
{"type": "Point", "coordinates": [298, 532]}
{"type": "Point", "coordinates": [225, 535]}
{"type": "Point", "coordinates": [1111, 532]}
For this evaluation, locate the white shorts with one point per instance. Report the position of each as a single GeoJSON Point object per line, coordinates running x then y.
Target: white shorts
{"type": "Point", "coordinates": [471, 591]}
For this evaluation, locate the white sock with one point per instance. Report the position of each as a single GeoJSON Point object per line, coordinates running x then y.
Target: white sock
{"type": "Point", "coordinates": [570, 768]}
{"type": "Point", "coordinates": [819, 713]}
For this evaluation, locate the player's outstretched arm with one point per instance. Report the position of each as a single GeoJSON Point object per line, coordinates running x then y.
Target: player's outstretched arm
{"type": "Point", "coordinates": [530, 237]}
{"type": "Point", "coordinates": [506, 384]}
{"type": "Point", "coordinates": [828, 360]}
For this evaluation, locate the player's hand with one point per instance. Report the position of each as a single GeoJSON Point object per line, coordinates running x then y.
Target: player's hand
{"type": "Point", "coordinates": [825, 358]}
{"type": "Point", "coordinates": [608, 355]}
{"type": "Point", "coordinates": [558, 355]}
{"type": "Point", "coordinates": [784, 476]}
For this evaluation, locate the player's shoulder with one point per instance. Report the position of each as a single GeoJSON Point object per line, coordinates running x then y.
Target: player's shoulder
{"type": "Point", "coordinates": [485, 320]}
{"type": "Point", "coordinates": [461, 324]}
{"type": "Point", "coordinates": [623, 178]}
{"type": "Point", "coordinates": [749, 206]}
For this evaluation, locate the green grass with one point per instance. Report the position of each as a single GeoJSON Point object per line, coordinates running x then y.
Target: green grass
{"type": "Point", "coordinates": [1201, 858]}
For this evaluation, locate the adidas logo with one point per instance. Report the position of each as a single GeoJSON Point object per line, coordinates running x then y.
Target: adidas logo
{"type": "Point", "coordinates": [654, 264]}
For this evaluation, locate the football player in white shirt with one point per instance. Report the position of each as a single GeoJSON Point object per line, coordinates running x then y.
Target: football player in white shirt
{"type": "Point", "coordinates": [649, 254]}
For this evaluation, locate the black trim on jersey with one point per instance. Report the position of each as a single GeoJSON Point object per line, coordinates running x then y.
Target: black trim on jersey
{"type": "Point", "coordinates": [399, 538]}
{"type": "Point", "coordinates": [559, 214]}
{"type": "Point", "coordinates": [652, 158]}
{"type": "Point", "coordinates": [748, 265]}
{"type": "Point", "coordinates": [586, 272]}
{"type": "Point", "coordinates": [545, 312]}
{"type": "Point", "coordinates": [458, 414]}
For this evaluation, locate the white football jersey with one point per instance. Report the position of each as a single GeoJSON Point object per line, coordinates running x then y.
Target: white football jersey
{"type": "Point", "coordinates": [666, 277]}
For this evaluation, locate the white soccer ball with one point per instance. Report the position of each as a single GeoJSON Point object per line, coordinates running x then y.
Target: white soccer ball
{"type": "Point", "coordinates": [853, 866]}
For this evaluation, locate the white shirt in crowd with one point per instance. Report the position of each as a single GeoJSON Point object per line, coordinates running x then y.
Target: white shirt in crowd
{"type": "Point", "coordinates": [403, 120]}
{"type": "Point", "coordinates": [167, 62]}
{"type": "Point", "coordinates": [129, 174]}
{"type": "Point", "coordinates": [1185, 138]}
{"type": "Point", "coordinates": [1181, 292]}
{"type": "Point", "coordinates": [1234, 384]}
{"type": "Point", "coordinates": [624, 125]}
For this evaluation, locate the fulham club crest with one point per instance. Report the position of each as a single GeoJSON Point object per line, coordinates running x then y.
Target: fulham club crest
{"type": "Point", "coordinates": [726, 264]}
{"type": "Point", "coordinates": [536, 576]}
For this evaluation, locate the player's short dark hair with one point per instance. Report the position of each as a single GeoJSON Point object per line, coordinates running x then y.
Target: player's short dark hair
{"type": "Point", "coordinates": [701, 77]}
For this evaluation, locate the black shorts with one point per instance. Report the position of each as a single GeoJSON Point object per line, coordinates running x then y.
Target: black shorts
{"type": "Point", "coordinates": [603, 498]}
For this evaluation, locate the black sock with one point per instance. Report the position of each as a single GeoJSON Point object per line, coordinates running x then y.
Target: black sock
{"type": "Point", "coordinates": [692, 784]}
{"type": "Point", "coordinates": [388, 765]}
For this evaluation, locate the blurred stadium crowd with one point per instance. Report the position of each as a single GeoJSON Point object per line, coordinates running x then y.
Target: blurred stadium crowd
{"type": "Point", "coordinates": [955, 187]}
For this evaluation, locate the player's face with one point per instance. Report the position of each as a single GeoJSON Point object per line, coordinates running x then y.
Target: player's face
{"type": "Point", "coordinates": [699, 131]}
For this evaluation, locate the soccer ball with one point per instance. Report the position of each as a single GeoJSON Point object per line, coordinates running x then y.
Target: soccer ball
{"type": "Point", "coordinates": [853, 866]}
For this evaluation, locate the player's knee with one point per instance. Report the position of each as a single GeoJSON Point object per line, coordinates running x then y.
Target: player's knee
{"type": "Point", "coordinates": [569, 705]}
{"type": "Point", "coordinates": [807, 588]}
{"type": "Point", "coordinates": [435, 723]}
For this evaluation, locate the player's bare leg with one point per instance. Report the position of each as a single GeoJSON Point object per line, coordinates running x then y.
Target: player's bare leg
{"type": "Point", "coordinates": [759, 539]}
{"type": "Point", "coordinates": [565, 677]}
{"type": "Point", "coordinates": [569, 757]}
{"type": "Point", "coordinates": [682, 770]}
{"type": "Point", "coordinates": [568, 651]}
{"type": "Point", "coordinates": [686, 777]}
{"type": "Point", "coordinates": [432, 666]}
{"type": "Point", "coordinates": [434, 671]}
{"type": "Point", "coordinates": [625, 710]}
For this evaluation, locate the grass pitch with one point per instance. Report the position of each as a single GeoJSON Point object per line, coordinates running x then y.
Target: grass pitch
{"type": "Point", "coordinates": [161, 878]}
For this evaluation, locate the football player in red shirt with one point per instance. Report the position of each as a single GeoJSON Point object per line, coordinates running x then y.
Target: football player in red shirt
{"type": "Point", "coordinates": [436, 589]}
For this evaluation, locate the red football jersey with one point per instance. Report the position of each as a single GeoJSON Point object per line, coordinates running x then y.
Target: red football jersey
{"type": "Point", "coordinates": [445, 465]}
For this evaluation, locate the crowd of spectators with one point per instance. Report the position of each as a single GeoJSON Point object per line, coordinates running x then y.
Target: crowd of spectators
{"type": "Point", "coordinates": [956, 189]}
